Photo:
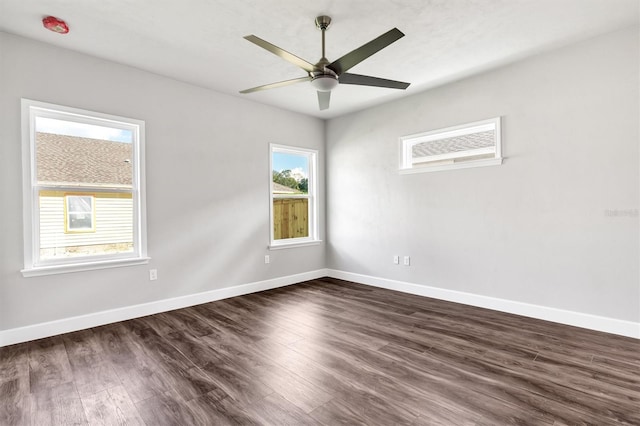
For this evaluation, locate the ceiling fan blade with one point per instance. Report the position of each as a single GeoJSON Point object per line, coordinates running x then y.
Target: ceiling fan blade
{"type": "Point", "coordinates": [354, 57]}
{"type": "Point", "coordinates": [365, 80]}
{"type": "Point", "coordinates": [323, 100]}
{"type": "Point", "coordinates": [289, 57]}
{"type": "Point", "coordinates": [278, 84]}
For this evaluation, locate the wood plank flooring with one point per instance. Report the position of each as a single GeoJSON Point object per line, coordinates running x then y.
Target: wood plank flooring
{"type": "Point", "coordinates": [324, 352]}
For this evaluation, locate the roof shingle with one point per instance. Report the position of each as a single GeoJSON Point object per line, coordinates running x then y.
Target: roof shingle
{"type": "Point", "coordinates": [77, 161]}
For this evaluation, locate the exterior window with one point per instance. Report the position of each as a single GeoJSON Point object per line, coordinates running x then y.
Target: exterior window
{"type": "Point", "coordinates": [293, 196]}
{"type": "Point", "coordinates": [79, 217]}
{"type": "Point", "coordinates": [469, 145]}
{"type": "Point", "coordinates": [83, 189]}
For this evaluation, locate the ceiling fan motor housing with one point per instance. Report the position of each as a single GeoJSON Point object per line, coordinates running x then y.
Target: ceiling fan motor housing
{"type": "Point", "coordinates": [324, 79]}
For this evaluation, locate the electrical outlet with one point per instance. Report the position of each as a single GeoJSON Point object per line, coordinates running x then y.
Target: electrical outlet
{"type": "Point", "coordinates": [153, 274]}
{"type": "Point", "coordinates": [396, 260]}
{"type": "Point", "coordinates": [267, 259]}
{"type": "Point", "coordinates": [407, 261]}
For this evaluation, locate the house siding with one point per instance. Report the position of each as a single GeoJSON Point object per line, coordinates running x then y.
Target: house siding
{"type": "Point", "coordinates": [113, 221]}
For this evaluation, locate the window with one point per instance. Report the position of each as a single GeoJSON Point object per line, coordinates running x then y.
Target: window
{"type": "Point", "coordinates": [83, 185]}
{"type": "Point", "coordinates": [293, 196]}
{"type": "Point", "coordinates": [469, 145]}
{"type": "Point", "coordinates": [79, 213]}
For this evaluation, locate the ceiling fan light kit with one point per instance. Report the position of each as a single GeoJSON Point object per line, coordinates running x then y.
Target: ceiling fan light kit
{"type": "Point", "coordinates": [324, 83]}
{"type": "Point", "coordinates": [324, 75]}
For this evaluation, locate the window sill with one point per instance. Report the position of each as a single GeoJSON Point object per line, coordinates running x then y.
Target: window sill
{"type": "Point", "coordinates": [294, 245]}
{"type": "Point", "coordinates": [461, 165]}
{"type": "Point", "coordinates": [79, 267]}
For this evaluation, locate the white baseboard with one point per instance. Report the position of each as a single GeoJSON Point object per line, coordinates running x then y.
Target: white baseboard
{"type": "Point", "coordinates": [66, 325]}
{"type": "Point", "coordinates": [578, 319]}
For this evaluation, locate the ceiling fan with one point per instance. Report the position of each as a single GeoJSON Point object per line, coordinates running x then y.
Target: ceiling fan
{"type": "Point", "coordinates": [325, 75]}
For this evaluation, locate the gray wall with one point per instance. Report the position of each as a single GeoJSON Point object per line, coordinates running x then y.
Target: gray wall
{"type": "Point", "coordinates": [534, 230]}
{"type": "Point", "coordinates": [207, 184]}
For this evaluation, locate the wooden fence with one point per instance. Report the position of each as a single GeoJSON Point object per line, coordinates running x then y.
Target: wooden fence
{"type": "Point", "coordinates": [290, 218]}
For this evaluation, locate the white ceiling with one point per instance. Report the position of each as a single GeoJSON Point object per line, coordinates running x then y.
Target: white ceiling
{"type": "Point", "coordinates": [201, 41]}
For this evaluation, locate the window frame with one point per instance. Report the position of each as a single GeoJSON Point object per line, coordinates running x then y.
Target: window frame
{"type": "Point", "coordinates": [312, 196]}
{"type": "Point", "coordinates": [33, 265]}
{"type": "Point", "coordinates": [406, 143]}
{"type": "Point", "coordinates": [68, 229]}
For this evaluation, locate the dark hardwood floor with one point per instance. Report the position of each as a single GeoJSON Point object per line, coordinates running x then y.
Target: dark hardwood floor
{"type": "Point", "coordinates": [324, 352]}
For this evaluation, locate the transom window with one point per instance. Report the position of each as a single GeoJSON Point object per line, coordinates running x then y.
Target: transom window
{"type": "Point", "coordinates": [293, 207]}
{"type": "Point", "coordinates": [468, 145]}
{"type": "Point", "coordinates": [83, 189]}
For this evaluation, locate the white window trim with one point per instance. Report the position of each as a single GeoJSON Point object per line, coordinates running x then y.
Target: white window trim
{"type": "Point", "coordinates": [313, 238]}
{"type": "Point", "coordinates": [406, 144]}
{"type": "Point", "coordinates": [31, 217]}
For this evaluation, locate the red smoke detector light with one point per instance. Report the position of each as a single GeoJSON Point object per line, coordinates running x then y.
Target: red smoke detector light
{"type": "Point", "coordinates": [56, 25]}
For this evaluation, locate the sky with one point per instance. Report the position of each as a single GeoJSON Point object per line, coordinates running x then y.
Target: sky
{"type": "Point", "coordinates": [72, 128]}
{"type": "Point", "coordinates": [298, 164]}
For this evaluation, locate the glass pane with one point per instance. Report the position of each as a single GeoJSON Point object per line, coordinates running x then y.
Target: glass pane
{"type": "Point", "coordinates": [290, 173]}
{"type": "Point", "coordinates": [106, 228]}
{"type": "Point", "coordinates": [290, 218]}
{"type": "Point", "coordinates": [79, 221]}
{"type": "Point", "coordinates": [463, 143]}
{"type": "Point", "coordinates": [74, 153]}
{"type": "Point", "coordinates": [79, 203]}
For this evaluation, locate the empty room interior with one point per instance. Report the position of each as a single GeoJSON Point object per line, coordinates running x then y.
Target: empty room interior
{"type": "Point", "coordinates": [400, 212]}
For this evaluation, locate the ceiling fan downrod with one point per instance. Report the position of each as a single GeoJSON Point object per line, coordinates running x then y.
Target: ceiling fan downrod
{"type": "Point", "coordinates": [323, 22]}
{"type": "Point", "coordinates": [324, 79]}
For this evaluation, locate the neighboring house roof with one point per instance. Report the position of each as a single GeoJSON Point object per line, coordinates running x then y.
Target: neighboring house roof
{"type": "Point", "coordinates": [80, 161]}
{"type": "Point", "coordinates": [281, 189]}
{"type": "Point", "coordinates": [455, 144]}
